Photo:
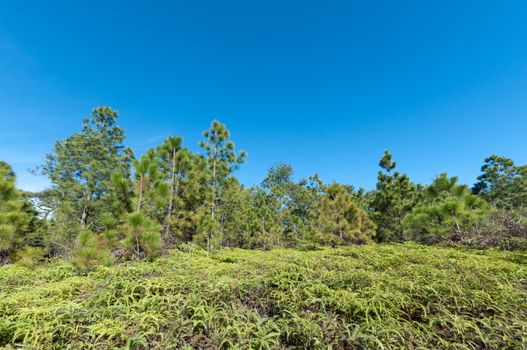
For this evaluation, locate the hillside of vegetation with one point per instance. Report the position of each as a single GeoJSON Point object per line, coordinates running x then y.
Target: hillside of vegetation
{"type": "Point", "coordinates": [168, 249]}
{"type": "Point", "coordinates": [108, 205]}
{"type": "Point", "coordinates": [364, 297]}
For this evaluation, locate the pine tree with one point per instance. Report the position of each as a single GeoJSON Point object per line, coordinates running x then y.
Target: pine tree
{"type": "Point", "coordinates": [175, 164]}
{"type": "Point", "coordinates": [222, 161]}
{"type": "Point", "coordinates": [17, 217]}
{"type": "Point", "coordinates": [445, 210]}
{"type": "Point", "coordinates": [304, 198]}
{"type": "Point", "coordinates": [235, 216]}
{"type": "Point", "coordinates": [80, 168]}
{"type": "Point", "coordinates": [395, 196]}
{"type": "Point", "coordinates": [91, 250]}
{"type": "Point", "coordinates": [148, 186]}
{"type": "Point", "coordinates": [296, 202]}
{"type": "Point", "coordinates": [142, 236]}
{"type": "Point", "coordinates": [502, 183]}
{"type": "Point", "coordinates": [274, 200]}
{"type": "Point", "coordinates": [266, 229]}
{"type": "Point", "coordinates": [341, 217]}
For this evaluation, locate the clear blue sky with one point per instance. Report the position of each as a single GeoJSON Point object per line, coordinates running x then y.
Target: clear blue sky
{"type": "Point", "coordinates": [325, 85]}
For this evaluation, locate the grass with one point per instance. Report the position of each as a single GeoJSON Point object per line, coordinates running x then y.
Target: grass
{"type": "Point", "coordinates": [367, 297]}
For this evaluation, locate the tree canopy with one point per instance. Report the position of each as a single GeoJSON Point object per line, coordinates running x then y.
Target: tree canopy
{"type": "Point", "coordinates": [105, 205]}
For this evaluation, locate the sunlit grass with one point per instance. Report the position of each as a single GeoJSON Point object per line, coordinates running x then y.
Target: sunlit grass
{"type": "Point", "coordinates": [367, 297]}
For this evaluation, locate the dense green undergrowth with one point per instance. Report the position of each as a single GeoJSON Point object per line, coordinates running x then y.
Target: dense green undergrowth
{"type": "Point", "coordinates": [365, 297]}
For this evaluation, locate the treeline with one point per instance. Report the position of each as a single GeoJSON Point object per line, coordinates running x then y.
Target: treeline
{"type": "Point", "coordinates": [106, 205]}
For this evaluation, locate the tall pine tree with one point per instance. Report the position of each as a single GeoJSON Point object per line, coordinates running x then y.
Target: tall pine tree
{"type": "Point", "coordinates": [394, 197]}
{"type": "Point", "coordinates": [80, 168]}
{"type": "Point", "coordinates": [222, 161]}
{"type": "Point", "coordinates": [502, 183]}
{"type": "Point", "coordinates": [17, 217]}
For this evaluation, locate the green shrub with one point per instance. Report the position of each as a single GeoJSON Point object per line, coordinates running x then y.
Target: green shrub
{"type": "Point", "coordinates": [30, 256]}
{"type": "Point", "coordinates": [92, 250]}
{"type": "Point", "coordinates": [142, 236]}
{"type": "Point", "coordinates": [500, 229]}
{"type": "Point", "coordinates": [364, 297]}
{"type": "Point", "coordinates": [189, 247]}
{"type": "Point", "coordinates": [17, 217]}
{"type": "Point", "coordinates": [446, 210]}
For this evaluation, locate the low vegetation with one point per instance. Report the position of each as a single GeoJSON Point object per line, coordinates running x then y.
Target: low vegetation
{"type": "Point", "coordinates": [363, 297]}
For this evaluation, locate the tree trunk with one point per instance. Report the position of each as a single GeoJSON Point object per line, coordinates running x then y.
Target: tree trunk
{"type": "Point", "coordinates": [84, 215]}
{"type": "Point", "coordinates": [140, 199]}
{"type": "Point", "coordinates": [213, 204]}
{"type": "Point", "coordinates": [211, 232]}
{"type": "Point", "coordinates": [173, 191]}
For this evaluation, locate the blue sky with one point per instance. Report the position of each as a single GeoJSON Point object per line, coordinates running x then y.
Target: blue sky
{"type": "Point", "coordinates": [323, 85]}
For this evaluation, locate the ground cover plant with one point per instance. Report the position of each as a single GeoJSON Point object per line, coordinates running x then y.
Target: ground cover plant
{"type": "Point", "coordinates": [362, 297]}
